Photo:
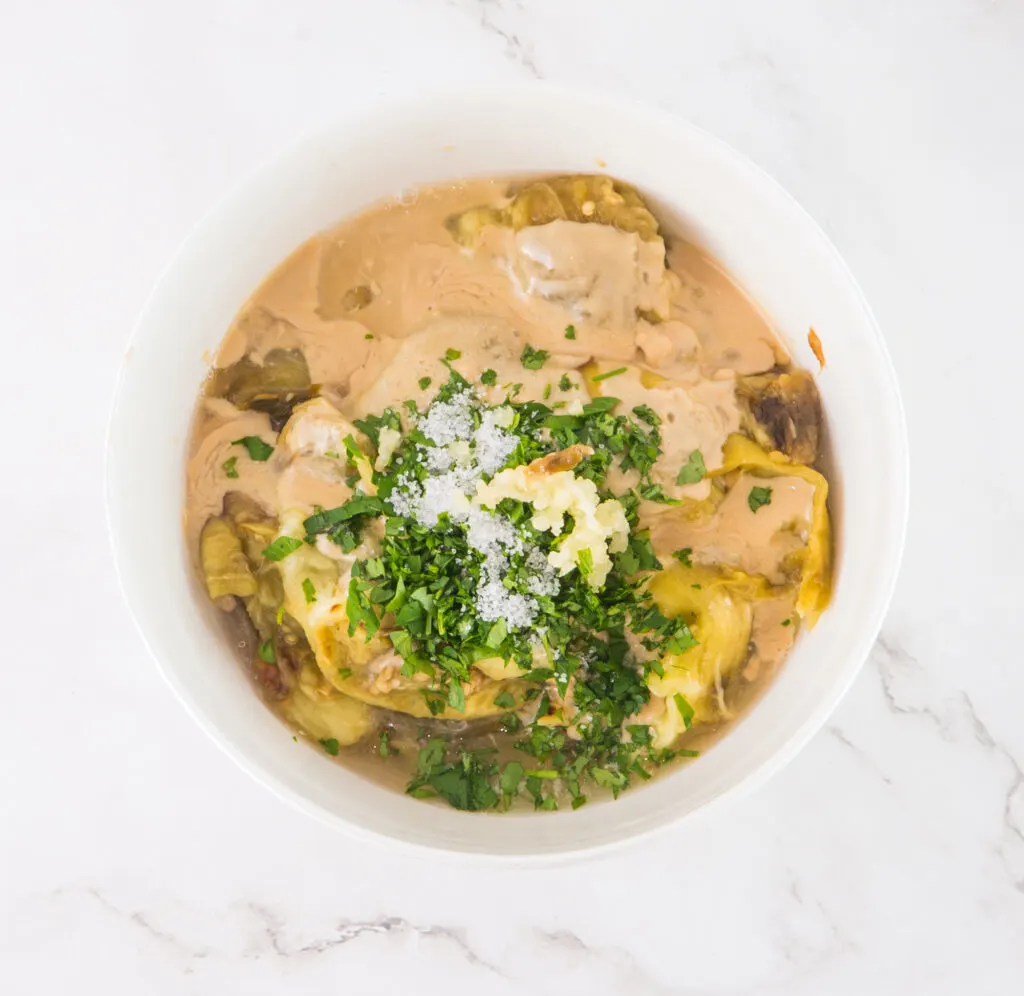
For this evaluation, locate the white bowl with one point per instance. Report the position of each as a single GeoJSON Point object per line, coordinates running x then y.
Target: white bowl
{"type": "Point", "coordinates": [716, 198]}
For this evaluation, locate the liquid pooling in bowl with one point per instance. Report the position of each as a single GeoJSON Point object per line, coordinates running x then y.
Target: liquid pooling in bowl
{"type": "Point", "coordinates": [508, 497]}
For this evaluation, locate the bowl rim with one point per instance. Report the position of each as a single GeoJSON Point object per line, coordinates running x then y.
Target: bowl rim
{"type": "Point", "coordinates": [898, 485]}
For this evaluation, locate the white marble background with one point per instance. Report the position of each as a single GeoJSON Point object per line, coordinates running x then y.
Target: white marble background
{"type": "Point", "coordinates": [889, 858]}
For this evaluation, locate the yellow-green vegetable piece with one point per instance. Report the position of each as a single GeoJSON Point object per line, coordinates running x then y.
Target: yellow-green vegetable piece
{"type": "Point", "coordinates": [718, 608]}
{"type": "Point", "coordinates": [225, 567]}
{"type": "Point", "coordinates": [581, 198]}
{"type": "Point", "coordinates": [815, 561]}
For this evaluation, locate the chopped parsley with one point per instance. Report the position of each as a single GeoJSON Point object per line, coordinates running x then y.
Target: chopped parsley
{"type": "Point", "coordinates": [281, 547]}
{"type": "Point", "coordinates": [425, 382]}
{"type": "Point", "coordinates": [451, 355]}
{"type": "Point", "coordinates": [610, 373]}
{"type": "Point", "coordinates": [255, 447]}
{"type": "Point", "coordinates": [683, 556]}
{"type": "Point", "coordinates": [565, 384]}
{"type": "Point", "coordinates": [331, 746]}
{"type": "Point", "coordinates": [570, 331]}
{"type": "Point", "coordinates": [422, 592]}
{"type": "Point", "coordinates": [384, 743]}
{"type": "Point", "coordinates": [266, 651]}
{"type": "Point", "coordinates": [533, 359]}
{"type": "Point", "coordinates": [786, 622]}
{"type": "Point", "coordinates": [344, 524]}
{"type": "Point", "coordinates": [463, 781]}
{"type": "Point", "coordinates": [758, 497]}
{"type": "Point", "coordinates": [489, 378]}
{"type": "Point", "coordinates": [369, 335]}
{"type": "Point", "coordinates": [228, 466]}
{"type": "Point", "coordinates": [693, 470]}
{"type": "Point", "coordinates": [308, 591]}
{"type": "Point", "coordinates": [685, 709]}
{"type": "Point", "coordinates": [647, 414]}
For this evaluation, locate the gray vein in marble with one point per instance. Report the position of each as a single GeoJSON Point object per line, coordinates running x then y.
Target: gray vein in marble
{"type": "Point", "coordinates": [628, 974]}
{"type": "Point", "coordinates": [861, 756]}
{"type": "Point", "coordinates": [140, 920]}
{"type": "Point", "coordinates": [277, 942]}
{"type": "Point", "coordinates": [798, 946]}
{"type": "Point", "coordinates": [350, 930]}
{"type": "Point", "coordinates": [894, 663]}
{"type": "Point", "coordinates": [1013, 827]}
{"type": "Point", "coordinates": [515, 49]}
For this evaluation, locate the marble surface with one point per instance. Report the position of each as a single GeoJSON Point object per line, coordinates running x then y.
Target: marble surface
{"type": "Point", "coordinates": [888, 858]}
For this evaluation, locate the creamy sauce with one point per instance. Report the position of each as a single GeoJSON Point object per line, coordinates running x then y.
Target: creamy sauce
{"type": "Point", "coordinates": [373, 306]}
{"type": "Point", "coordinates": [753, 541]}
{"type": "Point", "coordinates": [426, 286]}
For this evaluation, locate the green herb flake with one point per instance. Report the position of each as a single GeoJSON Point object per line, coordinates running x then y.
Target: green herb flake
{"type": "Point", "coordinates": [570, 331]}
{"type": "Point", "coordinates": [309, 591]}
{"type": "Point", "coordinates": [693, 470]}
{"type": "Point", "coordinates": [533, 359]}
{"type": "Point", "coordinates": [759, 497]}
{"type": "Point", "coordinates": [496, 634]}
{"type": "Point", "coordinates": [228, 466]}
{"type": "Point", "coordinates": [685, 709]}
{"type": "Point", "coordinates": [787, 622]}
{"type": "Point", "coordinates": [369, 335]}
{"type": "Point", "coordinates": [457, 697]}
{"type": "Point", "coordinates": [281, 547]}
{"type": "Point", "coordinates": [610, 373]}
{"type": "Point", "coordinates": [451, 355]}
{"type": "Point", "coordinates": [647, 414]}
{"type": "Point", "coordinates": [506, 700]}
{"type": "Point", "coordinates": [511, 776]}
{"type": "Point", "coordinates": [323, 520]}
{"type": "Point", "coordinates": [565, 384]}
{"type": "Point", "coordinates": [256, 448]}
{"type": "Point", "coordinates": [344, 672]}
{"type": "Point", "coordinates": [683, 556]}
{"type": "Point", "coordinates": [489, 378]}
{"type": "Point", "coordinates": [425, 382]}
{"type": "Point", "coordinates": [266, 651]}
{"type": "Point", "coordinates": [384, 746]}
{"type": "Point", "coordinates": [331, 746]}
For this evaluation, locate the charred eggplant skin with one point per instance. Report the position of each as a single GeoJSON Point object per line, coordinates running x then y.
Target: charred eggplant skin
{"type": "Point", "coordinates": [784, 412]}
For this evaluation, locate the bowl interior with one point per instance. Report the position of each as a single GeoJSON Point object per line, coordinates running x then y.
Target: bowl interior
{"type": "Point", "coordinates": [717, 199]}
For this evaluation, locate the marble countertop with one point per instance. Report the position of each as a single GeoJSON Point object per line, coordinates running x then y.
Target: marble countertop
{"type": "Point", "coordinates": [888, 858]}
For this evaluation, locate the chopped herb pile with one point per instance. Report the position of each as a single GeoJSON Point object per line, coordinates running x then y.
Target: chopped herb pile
{"type": "Point", "coordinates": [455, 583]}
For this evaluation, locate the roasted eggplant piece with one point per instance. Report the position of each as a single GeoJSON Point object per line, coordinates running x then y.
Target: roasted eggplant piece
{"type": "Point", "coordinates": [783, 413]}
{"type": "Point", "coordinates": [275, 386]}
